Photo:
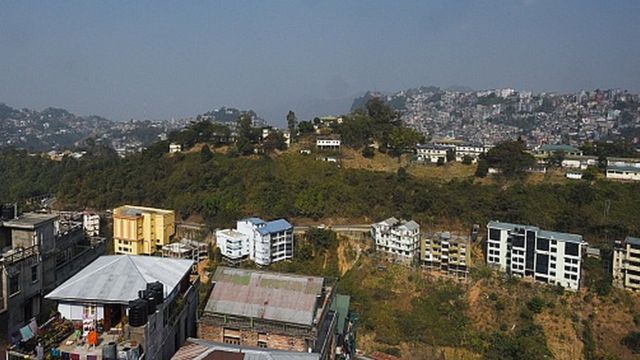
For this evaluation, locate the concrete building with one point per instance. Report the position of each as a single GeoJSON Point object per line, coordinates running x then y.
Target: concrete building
{"type": "Point", "coordinates": [198, 349]}
{"type": "Point", "coordinates": [186, 249]}
{"type": "Point", "coordinates": [263, 242]}
{"type": "Point", "coordinates": [233, 245]}
{"type": "Point", "coordinates": [39, 251]}
{"type": "Point", "coordinates": [448, 253]}
{"type": "Point", "coordinates": [528, 251]}
{"type": "Point", "coordinates": [143, 300]}
{"type": "Point", "coordinates": [270, 310]}
{"type": "Point", "coordinates": [617, 172]}
{"type": "Point", "coordinates": [472, 151]}
{"type": "Point", "coordinates": [398, 238]}
{"type": "Point", "coordinates": [626, 264]}
{"type": "Point", "coordinates": [91, 223]}
{"type": "Point", "coordinates": [432, 153]}
{"type": "Point", "coordinates": [328, 143]}
{"type": "Point", "coordinates": [139, 230]}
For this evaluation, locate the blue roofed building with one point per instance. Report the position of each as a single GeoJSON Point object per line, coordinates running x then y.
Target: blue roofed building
{"type": "Point", "coordinates": [263, 242]}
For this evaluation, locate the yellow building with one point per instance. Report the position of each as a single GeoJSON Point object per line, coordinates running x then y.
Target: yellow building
{"type": "Point", "coordinates": [141, 230]}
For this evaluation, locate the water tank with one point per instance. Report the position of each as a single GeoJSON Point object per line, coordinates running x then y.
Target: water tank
{"type": "Point", "coordinates": [109, 351]}
{"type": "Point", "coordinates": [152, 302]}
{"type": "Point", "coordinates": [158, 288]}
{"type": "Point", "coordinates": [138, 312]}
{"type": "Point", "coordinates": [8, 212]}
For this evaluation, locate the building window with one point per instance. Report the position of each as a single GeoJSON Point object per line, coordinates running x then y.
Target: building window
{"type": "Point", "coordinates": [14, 284]}
{"type": "Point", "coordinates": [34, 273]}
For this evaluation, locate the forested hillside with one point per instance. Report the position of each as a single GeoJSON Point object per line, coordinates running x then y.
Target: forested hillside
{"type": "Point", "coordinates": [222, 188]}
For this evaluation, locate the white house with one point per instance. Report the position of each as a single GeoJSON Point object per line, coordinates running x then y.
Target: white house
{"type": "Point", "coordinates": [328, 143]}
{"type": "Point", "coordinates": [528, 251]}
{"type": "Point", "coordinates": [263, 242]}
{"type": "Point", "coordinates": [575, 175]}
{"type": "Point", "coordinates": [623, 172]}
{"type": "Point", "coordinates": [431, 153]}
{"type": "Point", "coordinates": [397, 237]}
{"type": "Point", "coordinates": [175, 148]}
{"type": "Point", "coordinates": [233, 245]}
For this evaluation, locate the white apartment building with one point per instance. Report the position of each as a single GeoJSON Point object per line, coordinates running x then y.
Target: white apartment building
{"type": "Point", "coordinates": [398, 238]}
{"type": "Point", "coordinates": [91, 224]}
{"type": "Point", "coordinates": [527, 251]}
{"type": "Point", "coordinates": [261, 241]}
{"type": "Point", "coordinates": [431, 153]}
{"type": "Point", "coordinates": [626, 264]}
{"type": "Point", "coordinates": [328, 143]}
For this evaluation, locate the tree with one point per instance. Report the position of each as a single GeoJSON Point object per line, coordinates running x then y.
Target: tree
{"type": "Point", "coordinates": [467, 160]}
{"type": "Point", "coordinates": [440, 162]}
{"type": "Point", "coordinates": [205, 153]}
{"type": "Point", "coordinates": [451, 155]}
{"type": "Point", "coordinates": [273, 141]}
{"type": "Point", "coordinates": [401, 139]}
{"type": "Point", "coordinates": [244, 142]}
{"type": "Point", "coordinates": [511, 158]}
{"type": "Point", "coordinates": [590, 174]}
{"type": "Point", "coordinates": [368, 152]}
{"type": "Point", "coordinates": [557, 158]}
{"type": "Point", "coordinates": [291, 124]}
{"type": "Point", "coordinates": [483, 168]}
{"type": "Point", "coordinates": [305, 127]}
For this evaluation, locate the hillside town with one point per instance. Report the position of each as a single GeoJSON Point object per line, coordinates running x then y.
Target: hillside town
{"type": "Point", "coordinates": [492, 116]}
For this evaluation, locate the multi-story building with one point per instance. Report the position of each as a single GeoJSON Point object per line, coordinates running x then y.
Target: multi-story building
{"type": "Point", "coordinates": [233, 245]}
{"type": "Point", "coordinates": [39, 251]}
{"type": "Point", "coordinates": [472, 151]}
{"type": "Point", "coordinates": [446, 252]}
{"type": "Point", "coordinates": [432, 153]}
{"type": "Point", "coordinates": [145, 305]}
{"type": "Point", "coordinates": [626, 264]}
{"type": "Point", "coordinates": [528, 251]}
{"type": "Point", "coordinates": [186, 249]}
{"type": "Point", "coordinates": [328, 143]}
{"type": "Point", "coordinates": [198, 349]}
{"type": "Point", "coordinates": [271, 310]}
{"type": "Point", "coordinates": [139, 230]}
{"type": "Point", "coordinates": [398, 238]}
{"type": "Point", "coordinates": [263, 242]}
{"type": "Point", "coordinates": [91, 223]}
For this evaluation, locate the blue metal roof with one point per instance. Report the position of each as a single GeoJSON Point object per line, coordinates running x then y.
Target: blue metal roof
{"type": "Point", "coordinates": [275, 226]}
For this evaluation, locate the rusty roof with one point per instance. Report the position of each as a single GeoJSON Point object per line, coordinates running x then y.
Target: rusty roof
{"type": "Point", "coordinates": [265, 295]}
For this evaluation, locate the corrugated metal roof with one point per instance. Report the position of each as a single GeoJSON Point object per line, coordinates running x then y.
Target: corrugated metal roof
{"type": "Point", "coordinates": [197, 349]}
{"type": "Point", "coordinates": [275, 226]}
{"type": "Point", "coordinates": [411, 225]}
{"type": "Point", "coordinates": [116, 279]}
{"type": "Point", "coordinates": [265, 295]}
{"type": "Point", "coordinates": [627, 168]}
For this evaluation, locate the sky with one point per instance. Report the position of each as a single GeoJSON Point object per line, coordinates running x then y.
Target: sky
{"type": "Point", "coordinates": [162, 59]}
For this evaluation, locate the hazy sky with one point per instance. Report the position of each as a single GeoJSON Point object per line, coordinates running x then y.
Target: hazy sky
{"type": "Point", "coordinates": [163, 59]}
